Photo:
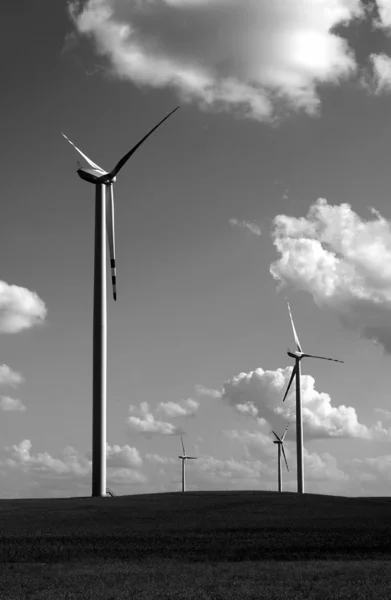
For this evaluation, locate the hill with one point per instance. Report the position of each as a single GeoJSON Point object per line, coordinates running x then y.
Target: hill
{"type": "Point", "coordinates": [196, 526]}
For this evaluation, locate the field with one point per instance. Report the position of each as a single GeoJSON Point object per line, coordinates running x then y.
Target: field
{"type": "Point", "coordinates": [228, 545]}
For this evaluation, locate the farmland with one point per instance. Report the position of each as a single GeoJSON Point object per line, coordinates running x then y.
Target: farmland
{"type": "Point", "coordinates": [173, 539]}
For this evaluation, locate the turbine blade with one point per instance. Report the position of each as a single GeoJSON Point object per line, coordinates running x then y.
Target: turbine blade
{"type": "Point", "coordinates": [322, 357]}
{"type": "Point", "coordinates": [110, 226]}
{"type": "Point", "coordinates": [276, 436]}
{"type": "Point", "coordinates": [90, 162]}
{"type": "Point", "coordinates": [294, 330]}
{"type": "Point", "coordinates": [192, 457]}
{"type": "Point", "coordinates": [183, 447]}
{"type": "Point", "coordinates": [125, 158]}
{"type": "Point", "coordinates": [286, 462]}
{"type": "Point", "coordinates": [290, 381]}
{"type": "Point", "coordinates": [285, 432]}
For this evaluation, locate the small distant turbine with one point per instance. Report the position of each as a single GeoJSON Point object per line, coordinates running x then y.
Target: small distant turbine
{"type": "Point", "coordinates": [183, 458]}
{"type": "Point", "coordinates": [104, 216]}
{"type": "Point", "coordinates": [298, 355]}
{"type": "Point", "coordinates": [280, 442]}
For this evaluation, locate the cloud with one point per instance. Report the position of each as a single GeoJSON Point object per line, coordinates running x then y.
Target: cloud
{"type": "Point", "coordinates": [126, 475]}
{"type": "Point", "coordinates": [160, 460]}
{"type": "Point", "coordinates": [124, 456]}
{"type": "Point", "coordinates": [232, 471]}
{"type": "Point", "coordinates": [72, 468]}
{"type": "Point", "coordinates": [11, 404]}
{"type": "Point", "coordinates": [19, 308]}
{"type": "Point", "coordinates": [71, 463]}
{"type": "Point", "coordinates": [204, 391]}
{"type": "Point", "coordinates": [147, 423]}
{"type": "Point", "coordinates": [10, 377]}
{"type": "Point", "coordinates": [320, 467]}
{"type": "Point", "coordinates": [385, 413]}
{"type": "Point", "coordinates": [250, 55]}
{"type": "Point", "coordinates": [252, 227]}
{"type": "Point", "coordinates": [343, 261]}
{"type": "Point", "coordinates": [184, 408]}
{"type": "Point", "coordinates": [384, 13]}
{"type": "Point", "coordinates": [381, 73]}
{"type": "Point", "coordinates": [259, 394]}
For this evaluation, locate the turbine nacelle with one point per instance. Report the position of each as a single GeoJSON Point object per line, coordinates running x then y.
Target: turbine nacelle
{"type": "Point", "coordinates": [187, 457]}
{"type": "Point", "coordinates": [295, 355]}
{"type": "Point", "coordinates": [93, 176]}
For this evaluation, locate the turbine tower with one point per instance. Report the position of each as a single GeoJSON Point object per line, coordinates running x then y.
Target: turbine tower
{"type": "Point", "coordinates": [280, 442]}
{"type": "Point", "coordinates": [298, 355]}
{"type": "Point", "coordinates": [104, 217]}
{"type": "Point", "coordinates": [183, 458]}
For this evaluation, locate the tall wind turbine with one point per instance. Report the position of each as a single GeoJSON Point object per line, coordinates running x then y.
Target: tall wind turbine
{"type": "Point", "coordinates": [183, 458]}
{"type": "Point", "coordinates": [280, 442]}
{"type": "Point", "coordinates": [104, 217]}
{"type": "Point", "coordinates": [298, 355]}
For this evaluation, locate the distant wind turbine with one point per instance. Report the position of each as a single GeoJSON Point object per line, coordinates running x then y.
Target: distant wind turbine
{"type": "Point", "coordinates": [298, 355]}
{"type": "Point", "coordinates": [183, 458]}
{"type": "Point", "coordinates": [280, 442]}
{"type": "Point", "coordinates": [104, 216]}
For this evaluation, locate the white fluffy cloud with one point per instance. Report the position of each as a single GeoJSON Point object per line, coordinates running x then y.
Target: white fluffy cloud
{"type": "Point", "coordinates": [10, 377]}
{"type": "Point", "coordinates": [124, 456]}
{"type": "Point", "coordinates": [343, 261]}
{"type": "Point", "coordinates": [381, 73]}
{"type": "Point", "coordinates": [184, 408]}
{"type": "Point", "coordinates": [251, 227]}
{"type": "Point", "coordinates": [71, 463]}
{"type": "Point", "coordinates": [71, 471]}
{"type": "Point", "coordinates": [246, 54]}
{"type": "Point", "coordinates": [19, 308]}
{"type": "Point", "coordinates": [259, 394]}
{"type": "Point", "coordinates": [11, 404]}
{"type": "Point", "coordinates": [147, 424]}
{"type": "Point", "coordinates": [384, 10]}
{"type": "Point", "coordinates": [201, 390]}
{"type": "Point", "coordinates": [386, 414]}
{"type": "Point", "coordinates": [232, 472]}
{"type": "Point", "coordinates": [160, 460]}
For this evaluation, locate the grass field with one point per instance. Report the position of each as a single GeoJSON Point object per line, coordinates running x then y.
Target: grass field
{"type": "Point", "coordinates": [196, 545]}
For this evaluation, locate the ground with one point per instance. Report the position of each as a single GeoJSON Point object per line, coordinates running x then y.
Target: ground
{"type": "Point", "coordinates": [228, 545]}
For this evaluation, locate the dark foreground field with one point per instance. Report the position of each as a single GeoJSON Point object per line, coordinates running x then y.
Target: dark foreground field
{"type": "Point", "coordinates": [196, 545]}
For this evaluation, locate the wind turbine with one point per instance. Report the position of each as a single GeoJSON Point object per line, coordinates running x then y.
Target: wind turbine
{"type": "Point", "coordinates": [104, 217]}
{"type": "Point", "coordinates": [298, 355]}
{"type": "Point", "coordinates": [280, 442]}
{"type": "Point", "coordinates": [183, 458]}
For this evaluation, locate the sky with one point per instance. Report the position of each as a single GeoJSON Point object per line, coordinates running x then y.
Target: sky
{"type": "Point", "coordinates": [270, 183]}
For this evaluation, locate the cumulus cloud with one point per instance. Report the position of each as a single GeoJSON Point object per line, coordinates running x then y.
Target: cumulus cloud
{"type": "Point", "coordinates": [11, 404]}
{"type": "Point", "coordinates": [251, 227]}
{"type": "Point", "coordinates": [250, 55]}
{"type": "Point", "coordinates": [19, 308]}
{"type": "Point", "coordinates": [259, 393]}
{"type": "Point", "coordinates": [241, 473]}
{"type": "Point", "coordinates": [125, 456]}
{"type": "Point", "coordinates": [10, 377]}
{"type": "Point", "coordinates": [201, 390]}
{"type": "Point", "coordinates": [147, 424]}
{"type": "Point", "coordinates": [160, 460]}
{"type": "Point", "coordinates": [386, 414]}
{"type": "Point", "coordinates": [71, 471]}
{"type": "Point", "coordinates": [343, 261]}
{"type": "Point", "coordinates": [71, 463]}
{"type": "Point", "coordinates": [381, 73]}
{"type": "Point", "coordinates": [184, 408]}
{"type": "Point", "coordinates": [126, 475]}
{"type": "Point", "coordinates": [322, 467]}
{"type": "Point", "coordinates": [384, 13]}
